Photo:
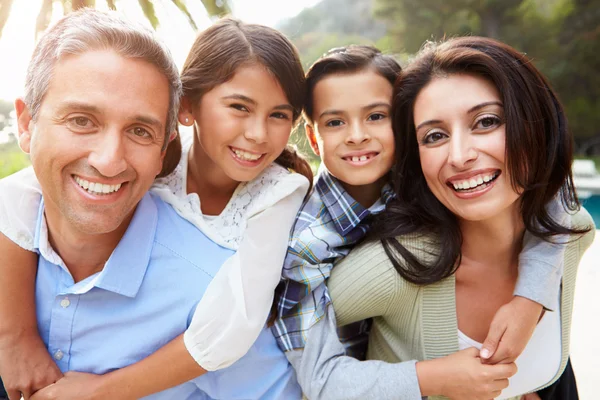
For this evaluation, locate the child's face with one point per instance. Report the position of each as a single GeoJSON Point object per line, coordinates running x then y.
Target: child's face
{"type": "Point", "coordinates": [243, 124]}
{"type": "Point", "coordinates": [351, 129]}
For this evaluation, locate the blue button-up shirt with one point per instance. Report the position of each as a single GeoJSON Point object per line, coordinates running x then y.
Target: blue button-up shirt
{"type": "Point", "coordinates": [144, 297]}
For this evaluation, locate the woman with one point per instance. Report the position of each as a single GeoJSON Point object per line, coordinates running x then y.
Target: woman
{"type": "Point", "coordinates": [486, 150]}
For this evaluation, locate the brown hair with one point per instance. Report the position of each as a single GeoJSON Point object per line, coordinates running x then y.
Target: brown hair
{"type": "Point", "coordinates": [344, 60]}
{"type": "Point", "coordinates": [539, 152]}
{"type": "Point", "coordinates": [216, 55]}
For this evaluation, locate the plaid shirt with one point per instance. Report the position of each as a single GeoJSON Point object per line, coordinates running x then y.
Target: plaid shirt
{"type": "Point", "coordinates": [329, 224]}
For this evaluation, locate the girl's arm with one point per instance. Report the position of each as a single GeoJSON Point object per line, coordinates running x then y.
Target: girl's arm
{"type": "Point", "coordinates": [25, 364]}
{"type": "Point", "coordinates": [232, 312]}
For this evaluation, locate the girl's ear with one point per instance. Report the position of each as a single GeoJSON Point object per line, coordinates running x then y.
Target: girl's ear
{"type": "Point", "coordinates": [185, 115]}
{"type": "Point", "coordinates": [312, 138]}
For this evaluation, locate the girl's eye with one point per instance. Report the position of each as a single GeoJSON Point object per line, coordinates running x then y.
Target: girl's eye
{"type": "Point", "coordinates": [334, 123]}
{"type": "Point", "coordinates": [280, 115]}
{"type": "Point", "coordinates": [239, 107]}
{"type": "Point", "coordinates": [141, 132]}
{"type": "Point", "coordinates": [376, 117]}
{"type": "Point", "coordinates": [434, 137]}
{"type": "Point", "coordinates": [487, 122]}
{"type": "Point", "coordinates": [80, 123]}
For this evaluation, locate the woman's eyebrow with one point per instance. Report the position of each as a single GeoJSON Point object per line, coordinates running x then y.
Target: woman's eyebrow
{"type": "Point", "coordinates": [482, 105]}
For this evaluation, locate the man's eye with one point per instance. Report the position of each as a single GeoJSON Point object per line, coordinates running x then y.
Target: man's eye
{"type": "Point", "coordinates": [141, 132]}
{"type": "Point", "coordinates": [80, 123]}
{"type": "Point", "coordinates": [335, 123]}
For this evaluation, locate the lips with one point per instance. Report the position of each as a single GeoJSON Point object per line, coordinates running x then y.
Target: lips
{"type": "Point", "coordinates": [96, 188]}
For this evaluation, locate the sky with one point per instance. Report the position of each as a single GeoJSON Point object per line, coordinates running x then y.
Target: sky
{"type": "Point", "coordinates": [18, 38]}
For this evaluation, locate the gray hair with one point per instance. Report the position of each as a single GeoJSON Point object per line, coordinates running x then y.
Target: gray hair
{"type": "Point", "coordinates": [88, 30]}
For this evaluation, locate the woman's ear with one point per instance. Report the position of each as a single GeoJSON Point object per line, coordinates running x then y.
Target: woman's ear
{"type": "Point", "coordinates": [185, 115]}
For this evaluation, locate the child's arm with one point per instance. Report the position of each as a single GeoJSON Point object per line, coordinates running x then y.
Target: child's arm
{"type": "Point", "coordinates": [25, 364]}
{"type": "Point", "coordinates": [540, 274]}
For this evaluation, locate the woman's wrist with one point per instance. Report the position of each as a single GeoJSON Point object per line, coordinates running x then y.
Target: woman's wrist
{"type": "Point", "coordinates": [431, 377]}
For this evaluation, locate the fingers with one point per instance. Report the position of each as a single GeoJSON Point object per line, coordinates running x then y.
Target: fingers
{"type": "Point", "coordinates": [503, 371]}
{"type": "Point", "coordinates": [13, 394]}
{"type": "Point", "coordinates": [493, 339]}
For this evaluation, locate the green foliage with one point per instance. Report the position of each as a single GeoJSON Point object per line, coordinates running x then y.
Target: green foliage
{"type": "Point", "coordinates": [12, 159]}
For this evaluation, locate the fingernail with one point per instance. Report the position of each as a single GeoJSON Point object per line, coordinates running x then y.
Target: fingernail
{"type": "Point", "coordinates": [485, 353]}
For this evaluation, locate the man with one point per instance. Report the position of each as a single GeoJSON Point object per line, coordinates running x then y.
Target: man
{"type": "Point", "coordinates": [119, 273]}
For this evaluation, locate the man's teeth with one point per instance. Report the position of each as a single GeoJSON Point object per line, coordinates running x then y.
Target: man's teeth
{"type": "Point", "coordinates": [473, 182]}
{"type": "Point", "coordinates": [96, 188]}
{"type": "Point", "coordinates": [244, 155]}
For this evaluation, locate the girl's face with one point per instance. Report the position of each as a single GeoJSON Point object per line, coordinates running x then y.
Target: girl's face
{"type": "Point", "coordinates": [460, 129]}
{"type": "Point", "coordinates": [244, 124]}
{"type": "Point", "coordinates": [351, 129]}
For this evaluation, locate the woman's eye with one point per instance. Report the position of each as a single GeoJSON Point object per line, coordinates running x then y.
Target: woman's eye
{"type": "Point", "coordinates": [334, 123]}
{"type": "Point", "coordinates": [239, 107]}
{"type": "Point", "coordinates": [487, 122]}
{"type": "Point", "coordinates": [434, 137]}
{"type": "Point", "coordinates": [376, 117]}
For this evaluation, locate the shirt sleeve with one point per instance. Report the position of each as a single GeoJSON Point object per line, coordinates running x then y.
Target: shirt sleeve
{"type": "Point", "coordinates": [325, 372]}
{"type": "Point", "coordinates": [541, 263]}
{"type": "Point", "coordinates": [20, 197]}
{"type": "Point", "coordinates": [236, 304]}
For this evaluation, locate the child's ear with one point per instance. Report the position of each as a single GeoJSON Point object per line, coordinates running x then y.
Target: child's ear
{"type": "Point", "coordinates": [24, 125]}
{"type": "Point", "coordinates": [185, 115]}
{"type": "Point", "coordinates": [312, 138]}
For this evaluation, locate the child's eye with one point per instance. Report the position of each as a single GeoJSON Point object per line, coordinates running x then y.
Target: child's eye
{"type": "Point", "coordinates": [376, 117]}
{"type": "Point", "coordinates": [487, 122]}
{"type": "Point", "coordinates": [280, 115]}
{"type": "Point", "coordinates": [434, 137]}
{"type": "Point", "coordinates": [239, 107]}
{"type": "Point", "coordinates": [334, 123]}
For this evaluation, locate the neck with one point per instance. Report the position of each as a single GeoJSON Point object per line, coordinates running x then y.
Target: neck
{"type": "Point", "coordinates": [494, 242]}
{"type": "Point", "coordinates": [208, 181]}
{"type": "Point", "coordinates": [84, 254]}
{"type": "Point", "coordinates": [366, 195]}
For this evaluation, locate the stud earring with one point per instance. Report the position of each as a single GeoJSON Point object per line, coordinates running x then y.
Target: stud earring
{"type": "Point", "coordinates": [187, 120]}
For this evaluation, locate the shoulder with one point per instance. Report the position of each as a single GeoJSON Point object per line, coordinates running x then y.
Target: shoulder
{"type": "Point", "coordinates": [178, 239]}
{"type": "Point", "coordinates": [583, 219]}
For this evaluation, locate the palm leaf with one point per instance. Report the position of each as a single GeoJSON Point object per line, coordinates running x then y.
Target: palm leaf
{"type": "Point", "coordinates": [77, 4]}
{"type": "Point", "coordinates": [111, 4]}
{"type": "Point", "coordinates": [181, 5]}
{"type": "Point", "coordinates": [216, 8]}
{"type": "Point", "coordinates": [5, 6]}
{"type": "Point", "coordinates": [149, 12]}
{"type": "Point", "coordinates": [43, 18]}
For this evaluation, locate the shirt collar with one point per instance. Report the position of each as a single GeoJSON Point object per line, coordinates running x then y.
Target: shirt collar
{"type": "Point", "coordinates": [125, 269]}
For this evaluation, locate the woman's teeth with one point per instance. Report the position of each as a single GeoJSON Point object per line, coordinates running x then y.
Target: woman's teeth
{"type": "Point", "coordinates": [244, 155]}
{"type": "Point", "coordinates": [96, 188]}
{"type": "Point", "coordinates": [474, 182]}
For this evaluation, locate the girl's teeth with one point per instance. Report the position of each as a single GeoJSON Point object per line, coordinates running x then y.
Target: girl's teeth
{"type": "Point", "coordinates": [247, 156]}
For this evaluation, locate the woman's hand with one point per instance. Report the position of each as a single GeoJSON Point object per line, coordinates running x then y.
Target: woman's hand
{"type": "Point", "coordinates": [531, 396]}
{"type": "Point", "coordinates": [74, 386]}
{"type": "Point", "coordinates": [462, 376]}
{"type": "Point", "coordinates": [25, 365]}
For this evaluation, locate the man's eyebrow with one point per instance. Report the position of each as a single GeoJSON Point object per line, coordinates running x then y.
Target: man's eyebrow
{"type": "Point", "coordinates": [149, 121]}
{"type": "Point", "coordinates": [79, 106]}
{"type": "Point", "coordinates": [482, 105]}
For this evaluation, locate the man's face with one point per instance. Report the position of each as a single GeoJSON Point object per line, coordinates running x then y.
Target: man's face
{"type": "Point", "coordinates": [96, 144]}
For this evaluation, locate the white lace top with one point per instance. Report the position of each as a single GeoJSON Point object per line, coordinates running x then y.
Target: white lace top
{"type": "Point", "coordinates": [256, 223]}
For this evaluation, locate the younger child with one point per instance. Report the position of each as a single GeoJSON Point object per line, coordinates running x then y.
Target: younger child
{"type": "Point", "coordinates": [348, 125]}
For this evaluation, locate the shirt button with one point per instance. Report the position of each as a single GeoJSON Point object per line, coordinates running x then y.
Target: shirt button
{"type": "Point", "coordinates": [64, 303]}
{"type": "Point", "coordinates": [58, 355]}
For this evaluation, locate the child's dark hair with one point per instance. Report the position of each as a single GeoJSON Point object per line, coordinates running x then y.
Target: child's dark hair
{"type": "Point", "coordinates": [216, 55]}
{"type": "Point", "coordinates": [346, 60]}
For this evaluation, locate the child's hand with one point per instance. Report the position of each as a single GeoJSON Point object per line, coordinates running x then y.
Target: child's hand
{"type": "Point", "coordinates": [461, 375]}
{"type": "Point", "coordinates": [26, 366]}
{"type": "Point", "coordinates": [73, 386]}
{"type": "Point", "coordinates": [531, 396]}
{"type": "Point", "coordinates": [510, 331]}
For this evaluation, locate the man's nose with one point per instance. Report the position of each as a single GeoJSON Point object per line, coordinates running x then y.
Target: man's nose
{"type": "Point", "coordinates": [108, 154]}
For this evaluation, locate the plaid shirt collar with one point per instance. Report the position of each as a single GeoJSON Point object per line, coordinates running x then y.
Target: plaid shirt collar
{"type": "Point", "coordinates": [346, 213]}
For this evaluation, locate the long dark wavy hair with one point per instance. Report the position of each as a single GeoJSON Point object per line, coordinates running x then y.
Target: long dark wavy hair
{"type": "Point", "coordinates": [539, 155]}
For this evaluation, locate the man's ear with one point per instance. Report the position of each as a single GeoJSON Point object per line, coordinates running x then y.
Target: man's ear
{"type": "Point", "coordinates": [312, 138]}
{"type": "Point", "coordinates": [185, 115]}
{"type": "Point", "coordinates": [24, 124]}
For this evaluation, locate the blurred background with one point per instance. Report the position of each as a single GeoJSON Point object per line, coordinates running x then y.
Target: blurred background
{"type": "Point", "coordinates": [562, 37]}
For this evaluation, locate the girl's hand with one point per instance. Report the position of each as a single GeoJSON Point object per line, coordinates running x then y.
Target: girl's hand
{"type": "Point", "coordinates": [531, 396]}
{"type": "Point", "coordinates": [26, 366]}
{"type": "Point", "coordinates": [462, 376]}
{"type": "Point", "coordinates": [510, 331]}
{"type": "Point", "coordinates": [74, 386]}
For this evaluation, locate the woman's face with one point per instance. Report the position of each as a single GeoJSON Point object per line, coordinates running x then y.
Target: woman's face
{"type": "Point", "coordinates": [244, 124]}
{"type": "Point", "coordinates": [460, 130]}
